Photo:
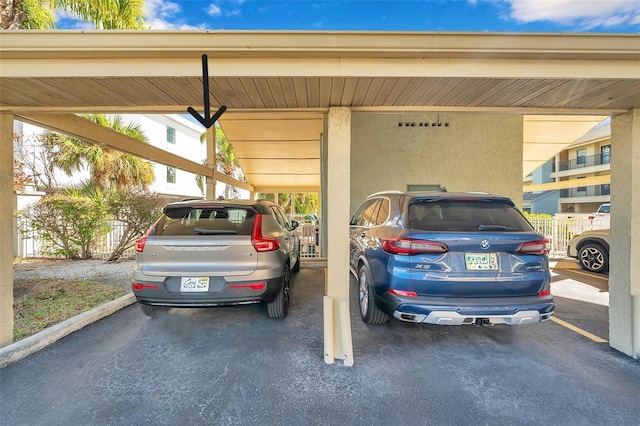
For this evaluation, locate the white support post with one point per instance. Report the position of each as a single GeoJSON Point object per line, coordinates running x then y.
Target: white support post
{"type": "Point", "coordinates": [624, 275]}
{"type": "Point", "coordinates": [210, 191]}
{"type": "Point", "coordinates": [338, 343]}
{"type": "Point", "coordinates": [6, 229]}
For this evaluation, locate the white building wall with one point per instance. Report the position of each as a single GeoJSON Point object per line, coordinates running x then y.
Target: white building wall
{"type": "Point", "coordinates": [187, 144]}
{"type": "Point", "coordinates": [474, 152]}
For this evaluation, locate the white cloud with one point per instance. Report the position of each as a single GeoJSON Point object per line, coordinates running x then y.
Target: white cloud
{"type": "Point", "coordinates": [214, 10]}
{"type": "Point", "coordinates": [162, 15]}
{"type": "Point", "coordinates": [586, 14]}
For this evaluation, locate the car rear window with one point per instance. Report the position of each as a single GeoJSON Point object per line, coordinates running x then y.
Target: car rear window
{"type": "Point", "coordinates": [466, 216]}
{"type": "Point", "coordinates": [224, 220]}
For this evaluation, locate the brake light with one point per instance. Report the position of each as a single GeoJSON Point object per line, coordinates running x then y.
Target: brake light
{"type": "Point", "coordinates": [544, 293]}
{"type": "Point", "coordinates": [254, 286]}
{"type": "Point", "coordinates": [534, 247]}
{"type": "Point", "coordinates": [259, 241]}
{"type": "Point", "coordinates": [138, 286]}
{"type": "Point", "coordinates": [403, 293]}
{"type": "Point", "coordinates": [140, 242]}
{"type": "Point", "coordinates": [409, 246]}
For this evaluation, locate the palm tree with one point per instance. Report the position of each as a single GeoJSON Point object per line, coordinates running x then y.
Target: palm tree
{"type": "Point", "coordinates": [103, 14]}
{"type": "Point", "coordinates": [108, 167]}
{"type": "Point", "coordinates": [226, 162]}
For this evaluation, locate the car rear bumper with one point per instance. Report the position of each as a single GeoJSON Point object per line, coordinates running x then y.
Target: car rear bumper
{"type": "Point", "coordinates": [459, 311]}
{"type": "Point", "coordinates": [233, 293]}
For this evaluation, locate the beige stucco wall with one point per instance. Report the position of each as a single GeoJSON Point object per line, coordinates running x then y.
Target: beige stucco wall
{"type": "Point", "coordinates": [474, 153]}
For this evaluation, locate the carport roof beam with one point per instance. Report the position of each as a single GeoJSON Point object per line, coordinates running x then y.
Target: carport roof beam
{"type": "Point", "coordinates": [76, 126]}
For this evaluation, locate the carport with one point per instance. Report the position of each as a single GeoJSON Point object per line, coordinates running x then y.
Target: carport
{"type": "Point", "coordinates": [345, 114]}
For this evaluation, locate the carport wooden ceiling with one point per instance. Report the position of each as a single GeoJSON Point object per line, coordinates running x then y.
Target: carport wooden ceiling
{"type": "Point", "coordinates": [277, 85]}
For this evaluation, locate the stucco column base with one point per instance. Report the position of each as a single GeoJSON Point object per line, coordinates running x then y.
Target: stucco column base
{"type": "Point", "coordinates": [624, 275]}
{"type": "Point", "coordinates": [6, 229]}
{"type": "Point", "coordinates": [337, 324]}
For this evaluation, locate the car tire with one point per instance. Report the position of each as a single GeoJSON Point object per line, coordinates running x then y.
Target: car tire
{"type": "Point", "coordinates": [369, 310]}
{"type": "Point", "coordinates": [593, 257]}
{"type": "Point", "coordinates": [296, 267]}
{"type": "Point", "coordinates": [279, 307]}
{"type": "Point", "coordinates": [150, 311]}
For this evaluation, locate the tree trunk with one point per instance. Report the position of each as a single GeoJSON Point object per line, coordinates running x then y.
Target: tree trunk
{"type": "Point", "coordinates": [11, 14]}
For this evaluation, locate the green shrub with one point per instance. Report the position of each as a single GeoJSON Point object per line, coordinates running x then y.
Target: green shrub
{"type": "Point", "coordinates": [68, 224]}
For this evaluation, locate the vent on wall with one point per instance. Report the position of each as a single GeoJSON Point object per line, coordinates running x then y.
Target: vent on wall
{"type": "Point", "coordinates": [425, 123]}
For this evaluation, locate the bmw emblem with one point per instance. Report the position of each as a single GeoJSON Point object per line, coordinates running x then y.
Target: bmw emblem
{"type": "Point", "coordinates": [485, 244]}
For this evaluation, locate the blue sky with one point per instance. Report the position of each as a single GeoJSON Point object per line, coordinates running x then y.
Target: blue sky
{"type": "Point", "coordinates": [610, 16]}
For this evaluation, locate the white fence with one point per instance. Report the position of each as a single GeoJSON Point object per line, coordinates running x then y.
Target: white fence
{"type": "Point", "coordinates": [29, 243]}
{"type": "Point", "coordinates": [560, 230]}
{"type": "Point", "coordinates": [557, 230]}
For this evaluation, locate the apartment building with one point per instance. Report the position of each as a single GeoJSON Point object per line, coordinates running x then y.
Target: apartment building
{"type": "Point", "coordinates": [588, 156]}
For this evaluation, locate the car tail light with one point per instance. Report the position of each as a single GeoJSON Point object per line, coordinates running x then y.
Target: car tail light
{"type": "Point", "coordinates": [403, 293]}
{"type": "Point", "coordinates": [544, 293]}
{"type": "Point", "coordinates": [408, 246]}
{"type": "Point", "coordinates": [253, 286]}
{"type": "Point", "coordinates": [260, 242]}
{"type": "Point", "coordinates": [140, 242]}
{"type": "Point", "coordinates": [534, 247]}
{"type": "Point", "coordinates": [138, 286]}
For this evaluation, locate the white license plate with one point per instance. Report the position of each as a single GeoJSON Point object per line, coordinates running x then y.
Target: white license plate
{"type": "Point", "coordinates": [194, 284]}
{"type": "Point", "coordinates": [481, 261]}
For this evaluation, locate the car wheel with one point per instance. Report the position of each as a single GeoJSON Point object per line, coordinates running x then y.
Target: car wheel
{"type": "Point", "coordinates": [279, 307]}
{"type": "Point", "coordinates": [296, 267]}
{"type": "Point", "coordinates": [369, 311]}
{"type": "Point", "coordinates": [593, 257]}
{"type": "Point", "coordinates": [150, 311]}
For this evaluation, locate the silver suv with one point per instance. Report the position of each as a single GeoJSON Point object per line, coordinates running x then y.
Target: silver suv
{"type": "Point", "coordinates": [213, 253]}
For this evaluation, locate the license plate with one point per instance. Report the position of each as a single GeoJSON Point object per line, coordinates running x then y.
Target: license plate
{"type": "Point", "coordinates": [194, 284]}
{"type": "Point", "coordinates": [481, 261]}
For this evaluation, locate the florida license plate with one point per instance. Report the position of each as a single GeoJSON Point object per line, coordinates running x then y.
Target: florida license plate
{"type": "Point", "coordinates": [481, 261]}
{"type": "Point", "coordinates": [194, 284]}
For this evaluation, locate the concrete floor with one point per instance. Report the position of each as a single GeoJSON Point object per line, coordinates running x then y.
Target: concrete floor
{"type": "Point", "coordinates": [236, 366]}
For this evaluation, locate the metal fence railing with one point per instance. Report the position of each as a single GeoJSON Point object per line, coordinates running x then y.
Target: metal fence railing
{"type": "Point", "coordinates": [557, 230]}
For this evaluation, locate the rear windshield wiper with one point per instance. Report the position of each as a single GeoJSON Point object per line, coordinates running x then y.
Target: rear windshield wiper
{"type": "Point", "coordinates": [495, 228]}
{"type": "Point", "coordinates": [202, 231]}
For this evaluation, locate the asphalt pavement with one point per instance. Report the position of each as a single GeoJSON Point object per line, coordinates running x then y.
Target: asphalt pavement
{"type": "Point", "coordinates": [237, 366]}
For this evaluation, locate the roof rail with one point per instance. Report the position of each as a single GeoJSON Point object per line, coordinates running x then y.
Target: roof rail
{"type": "Point", "coordinates": [391, 191]}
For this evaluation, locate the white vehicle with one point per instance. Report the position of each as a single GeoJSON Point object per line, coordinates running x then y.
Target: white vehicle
{"type": "Point", "coordinates": [591, 248]}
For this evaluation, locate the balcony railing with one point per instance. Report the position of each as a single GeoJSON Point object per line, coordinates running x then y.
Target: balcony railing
{"type": "Point", "coordinates": [582, 162]}
{"type": "Point", "coordinates": [586, 191]}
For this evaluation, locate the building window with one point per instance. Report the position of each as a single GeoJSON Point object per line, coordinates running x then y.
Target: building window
{"type": "Point", "coordinates": [605, 189]}
{"type": "Point", "coordinates": [581, 188]}
{"type": "Point", "coordinates": [582, 156]}
{"type": "Point", "coordinates": [171, 135]}
{"type": "Point", "coordinates": [605, 154]}
{"type": "Point", "coordinates": [171, 175]}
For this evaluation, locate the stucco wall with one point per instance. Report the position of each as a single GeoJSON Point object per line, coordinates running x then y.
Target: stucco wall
{"type": "Point", "coordinates": [474, 153]}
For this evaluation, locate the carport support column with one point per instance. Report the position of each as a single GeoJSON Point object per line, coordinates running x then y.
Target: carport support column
{"type": "Point", "coordinates": [624, 276]}
{"type": "Point", "coordinates": [210, 186]}
{"type": "Point", "coordinates": [6, 230]}
{"type": "Point", "coordinates": [337, 323]}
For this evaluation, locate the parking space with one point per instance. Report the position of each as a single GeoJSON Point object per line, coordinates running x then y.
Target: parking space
{"type": "Point", "coordinates": [238, 366]}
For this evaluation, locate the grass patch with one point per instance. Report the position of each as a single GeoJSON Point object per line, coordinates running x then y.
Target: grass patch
{"type": "Point", "coordinates": [42, 303]}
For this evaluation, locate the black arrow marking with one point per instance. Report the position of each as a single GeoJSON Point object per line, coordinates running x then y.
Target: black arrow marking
{"type": "Point", "coordinates": [207, 121]}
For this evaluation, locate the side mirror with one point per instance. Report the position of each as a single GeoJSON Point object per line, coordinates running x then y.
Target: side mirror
{"type": "Point", "coordinates": [294, 224]}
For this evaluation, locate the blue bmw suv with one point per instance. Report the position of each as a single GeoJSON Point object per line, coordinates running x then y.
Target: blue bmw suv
{"type": "Point", "coordinates": [449, 259]}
